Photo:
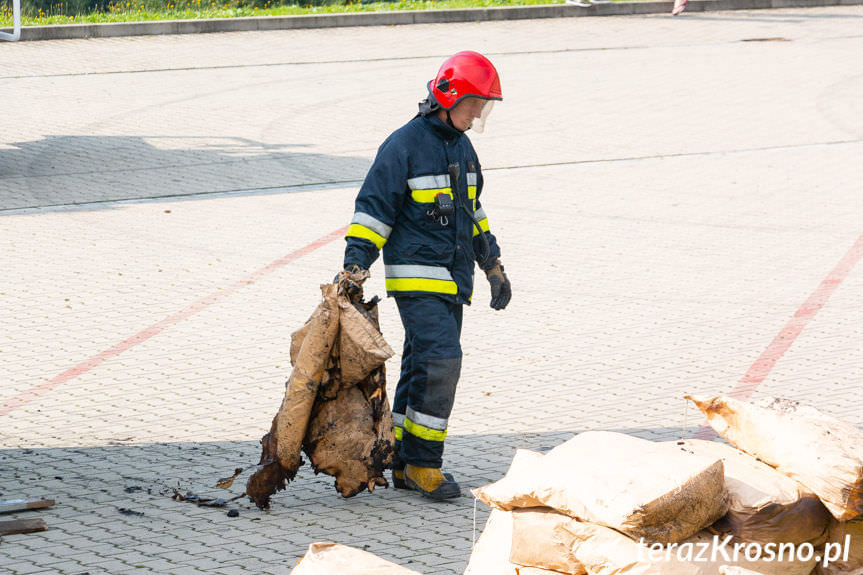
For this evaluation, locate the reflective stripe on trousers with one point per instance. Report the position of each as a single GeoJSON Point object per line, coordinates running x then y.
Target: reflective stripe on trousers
{"type": "Point", "coordinates": [420, 425]}
{"type": "Point", "coordinates": [398, 425]}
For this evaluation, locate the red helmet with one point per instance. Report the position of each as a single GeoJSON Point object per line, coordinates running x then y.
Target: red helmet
{"type": "Point", "coordinates": [466, 74]}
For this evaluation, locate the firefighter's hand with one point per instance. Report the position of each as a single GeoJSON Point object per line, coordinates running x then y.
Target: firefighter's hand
{"type": "Point", "coordinates": [350, 280]}
{"type": "Point", "coordinates": [501, 289]}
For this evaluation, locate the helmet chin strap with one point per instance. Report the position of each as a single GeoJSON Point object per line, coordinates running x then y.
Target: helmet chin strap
{"type": "Point", "coordinates": [449, 121]}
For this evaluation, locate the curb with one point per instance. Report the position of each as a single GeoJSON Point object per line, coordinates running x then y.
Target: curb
{"type": "Point", "coordinates": [306, 21]}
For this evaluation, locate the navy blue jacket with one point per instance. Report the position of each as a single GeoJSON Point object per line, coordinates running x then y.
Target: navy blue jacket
{"type": "Point", "coordinates": [422, 255]}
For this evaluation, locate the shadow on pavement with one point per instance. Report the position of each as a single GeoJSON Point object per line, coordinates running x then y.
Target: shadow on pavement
{"type": "Point", "coordinates": [115, 500]}
{"type": "Point", "coordinates": [67, 170]}
{"type": "Point", "coordinates": [476, 459]}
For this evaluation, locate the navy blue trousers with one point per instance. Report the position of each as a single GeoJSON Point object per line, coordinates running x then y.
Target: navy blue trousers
{"type": "Point", "coordinates": [431, 364]}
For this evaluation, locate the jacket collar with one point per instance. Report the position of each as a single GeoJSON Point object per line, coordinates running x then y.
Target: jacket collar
{"type": "Point", "coordinates": [443, 129]}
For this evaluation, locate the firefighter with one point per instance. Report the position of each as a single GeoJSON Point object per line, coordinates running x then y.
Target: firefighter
{"type": "Point", "coordinates": [420, 204]}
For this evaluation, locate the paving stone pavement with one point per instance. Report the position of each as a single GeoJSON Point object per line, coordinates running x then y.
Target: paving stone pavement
{"type": "Point", "coordinates": [668, 193]}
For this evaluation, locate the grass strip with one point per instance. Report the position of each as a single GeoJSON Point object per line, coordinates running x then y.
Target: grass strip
{"type": "Point", "coordinates": [131, 11]}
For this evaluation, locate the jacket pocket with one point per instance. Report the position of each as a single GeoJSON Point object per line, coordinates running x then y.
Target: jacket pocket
{"type": "Point", "coordinates": [433, 253]}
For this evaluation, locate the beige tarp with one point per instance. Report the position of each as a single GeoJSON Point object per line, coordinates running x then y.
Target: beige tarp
{"type": "Point", "coordinates": [641, 488]}
{"type": "Point", "coordinates": [335, 406]}
{"type": "Point", "coordinates": [764, 505]}
{"type": "Point", "coordinates": [335, 559]}
{"type": "Point", "coordinates": [818, 450]}
{"type": "Point", "coordinates": [539, 540]}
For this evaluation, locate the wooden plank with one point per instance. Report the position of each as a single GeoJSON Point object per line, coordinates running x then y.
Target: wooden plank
{"type": "Point", "coordinates": [22, 526]}
{"type": "Point", "coordinates": [23, 504]}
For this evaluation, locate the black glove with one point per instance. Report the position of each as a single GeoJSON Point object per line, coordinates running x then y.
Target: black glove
{"type": "Point", "coordinates": [350, 280]}
{"type": "Point", "coordinates": [501, 289]}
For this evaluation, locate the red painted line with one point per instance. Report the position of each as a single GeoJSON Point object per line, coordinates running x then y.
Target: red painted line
{"type": "Point", "coordinates": [37, 391]}
{"type": "Point", "coordinates": [762, 367]}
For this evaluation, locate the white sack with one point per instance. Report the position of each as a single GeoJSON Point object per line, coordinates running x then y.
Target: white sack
{"type": "Point", "coordinates": [730, 570]}
{"type": "Point", "coordinates": [818, 450]}
{"type": "Point", "coordinates": [639, 487]}
{"type": "Point", "coordinates": [515, 490]}
{"type": "Point", "coordinates": [539, 540]}
{"type": "Point", "coordinates": [331, 559]}
{"type": "Point", "coordinates": [764, 505]}
{"type": "Point", "coordinates": [604, 551]}
{"type": "Point", "coordinates": [490, 555]}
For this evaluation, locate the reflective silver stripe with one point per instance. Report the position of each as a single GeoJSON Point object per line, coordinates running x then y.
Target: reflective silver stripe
{"type": "Point", "coordinates": [471, 178]}
{"type": "Point", "coordinates": [373, 224]}
{"type": "Point", "coordinates": [480, 214]}
{"type": "Point", "coordinates": [429, 182]}
{"type": "Point", "coordinates": [416, 271]}
{"type": "Point", "coordinates": [427, 420]}
{"type": "Point", "coordinates": [399, 419]}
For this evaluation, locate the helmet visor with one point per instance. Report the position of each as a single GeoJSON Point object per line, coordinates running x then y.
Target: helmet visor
{"type": "Point", "coordinates": [478, 124]}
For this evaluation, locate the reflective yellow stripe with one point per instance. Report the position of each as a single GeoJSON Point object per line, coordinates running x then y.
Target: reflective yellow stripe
{"type": "Point", "coordinates": [423, 432]}
{"type": "Point", "coordinates": [360, 231]}
{"type": "Point", "coordinates": [483, 224]}
{"type": "Point", "coordinates": [421, 284]}
{"type": "Point", "coordinates": [398, 432]}
{"type": "Point", "coordinates": [427, 196]}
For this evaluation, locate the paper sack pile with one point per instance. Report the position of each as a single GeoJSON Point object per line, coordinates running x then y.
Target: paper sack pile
{"type": "Point", "coordinates": [592, 505]}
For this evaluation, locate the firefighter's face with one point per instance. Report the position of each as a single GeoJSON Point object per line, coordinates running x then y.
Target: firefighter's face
{"type": "Point", "coordinates": [466, 112]}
